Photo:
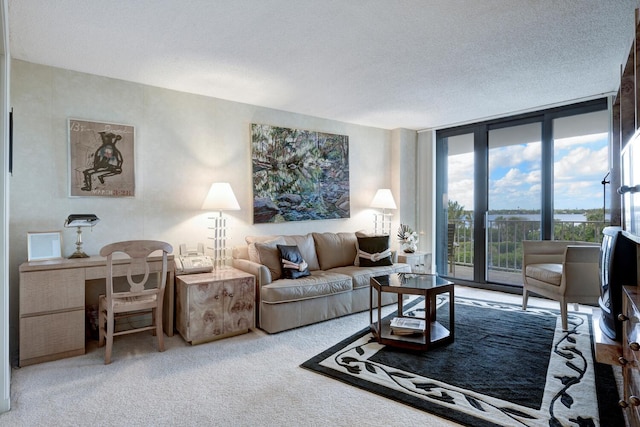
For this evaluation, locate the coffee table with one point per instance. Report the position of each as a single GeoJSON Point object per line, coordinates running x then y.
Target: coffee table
{"type": "Point", "coordinates": [427, 285]}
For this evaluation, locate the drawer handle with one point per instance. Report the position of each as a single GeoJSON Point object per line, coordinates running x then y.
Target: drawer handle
{"type": "Point", "coordinates": [622, 361]}
{"type": "Point", "coordinates": [217, 297]}
{"type": "Point", "coordinates": [230, 295]}
{"type": "Point", "coordinates": [634, 346]}
{"type": "Point", "coordinates": [633, 401]}
{"type": "Point", "coordinates": [622, 317]}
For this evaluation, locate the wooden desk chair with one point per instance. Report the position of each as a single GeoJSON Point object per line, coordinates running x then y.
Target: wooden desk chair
{"type": "Point", "coordinates": [143, 296]}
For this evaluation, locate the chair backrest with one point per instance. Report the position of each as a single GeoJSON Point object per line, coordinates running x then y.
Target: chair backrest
{"type": "Point", "coordinates": [547, 251]}
{"type": "Point", "coordinates": [138, 251]}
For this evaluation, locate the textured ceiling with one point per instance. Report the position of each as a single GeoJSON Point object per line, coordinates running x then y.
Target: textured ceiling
{"type": "Point", "coordinates": [384, 63]}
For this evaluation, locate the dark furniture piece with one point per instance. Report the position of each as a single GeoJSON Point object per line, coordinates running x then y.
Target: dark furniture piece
{"type": "Point", "coordinates": [427, 285]}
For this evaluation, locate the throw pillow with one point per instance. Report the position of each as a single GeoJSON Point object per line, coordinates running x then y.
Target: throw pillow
{"type": "Point", "coordinates": [362, 233]}
{"type": "Point", "coordinates": [270, 257]}
{"type": "Point", "coordinates": [251, 243]}
{"type": "Point", "coordinates": [292, 263]}
{"type": "Point", "coordinates": [374, 251]}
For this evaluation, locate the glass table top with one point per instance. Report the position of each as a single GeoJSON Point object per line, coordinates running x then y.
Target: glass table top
{"type": "Point", "coordinates": [411, 281]}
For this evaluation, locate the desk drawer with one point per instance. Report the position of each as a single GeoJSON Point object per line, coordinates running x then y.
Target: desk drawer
{"type": "Point", "coordinates": [47, 291]}
{"type": "Point", "coordinates": [51, 335]}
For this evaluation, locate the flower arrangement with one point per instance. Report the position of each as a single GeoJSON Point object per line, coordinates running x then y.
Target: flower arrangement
{"type": "Point", "coordinates": [408, 238]}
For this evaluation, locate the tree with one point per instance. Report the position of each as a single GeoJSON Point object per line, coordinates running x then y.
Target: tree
{"type": "Point", "coordinates": [455, 211]}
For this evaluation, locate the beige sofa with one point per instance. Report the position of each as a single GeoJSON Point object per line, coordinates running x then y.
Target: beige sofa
{"type": "Point", "coordinates": [337, 284]}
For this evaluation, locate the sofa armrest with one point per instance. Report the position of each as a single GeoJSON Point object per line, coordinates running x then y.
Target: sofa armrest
{"type": "Point", "coordinates": [262, 273]}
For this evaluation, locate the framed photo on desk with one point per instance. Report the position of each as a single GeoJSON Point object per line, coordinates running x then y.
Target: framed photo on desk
{"type": "Point", "coordinates": [43, 245]}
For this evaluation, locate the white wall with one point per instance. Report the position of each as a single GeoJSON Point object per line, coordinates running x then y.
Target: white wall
{"type": "Point", "coordinates": [5, 68]}
{"type": "Point", "coordinates": [184, 142]}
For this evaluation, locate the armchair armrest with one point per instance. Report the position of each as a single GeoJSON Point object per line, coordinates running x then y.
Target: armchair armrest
{"type": "Point", "coordinates": [581, 274]}
{"type": "Point", "coordinates": [582, 254]}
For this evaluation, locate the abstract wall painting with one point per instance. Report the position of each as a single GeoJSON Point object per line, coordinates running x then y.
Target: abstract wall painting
{"type": "Point", "coordinates": [101, 159]}
{"type": "Point", "coordinates": [299, 175]}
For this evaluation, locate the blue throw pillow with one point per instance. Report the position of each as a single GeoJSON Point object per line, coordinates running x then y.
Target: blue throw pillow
{"type": "Point", "coordinates": [292, 263]}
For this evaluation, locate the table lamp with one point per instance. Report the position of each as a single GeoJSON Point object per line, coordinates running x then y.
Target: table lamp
{"type": "Point", "coordinates": [383, 200]}
{"type": "Point", "coordinates": [80, 221]}
{"type": "Point", "coordinates": [220, 198]}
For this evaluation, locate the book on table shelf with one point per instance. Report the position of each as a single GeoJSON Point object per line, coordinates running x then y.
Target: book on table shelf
{"type": "Point", "coordinates": [407, 325]}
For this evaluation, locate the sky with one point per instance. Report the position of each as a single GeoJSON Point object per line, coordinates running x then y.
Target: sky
{"type": "Point", "coordinates": [580, 164]}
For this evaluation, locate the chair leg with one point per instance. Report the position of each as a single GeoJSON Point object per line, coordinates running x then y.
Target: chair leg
{"type": "Point", "coordinates": [101, 323]}
{"type": "Point", "coordinates": [159, 333]}
{"type": "Point", "coordinates": [110, 328]}
{"type": "Point", "coordinates": [525, 298]}
{"type": "Point", "coordinates": [563, 315]}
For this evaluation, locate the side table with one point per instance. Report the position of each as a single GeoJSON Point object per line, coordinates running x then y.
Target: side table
{"type": "Point", "coordinates": [420, 262]}
{"type": "Point", "coordinates": [211, 306]}
{"type": "Point", "coordinates": [426, 285]}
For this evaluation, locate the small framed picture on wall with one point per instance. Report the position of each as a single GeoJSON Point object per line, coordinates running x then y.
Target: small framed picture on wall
{"type": "Point", "coordinates": [101, 159]}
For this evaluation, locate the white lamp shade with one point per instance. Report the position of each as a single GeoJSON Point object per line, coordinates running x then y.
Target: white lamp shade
{"type": "Point", "coordinates": [383, 199]}
{"type": "Point", "coordinates": [221, 198]}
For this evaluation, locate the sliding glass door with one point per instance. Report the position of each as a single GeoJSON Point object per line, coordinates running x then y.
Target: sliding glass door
{"type": "Point", "coordinates": [459, 201]}
{"type": "Point", "coordinates": [514, 197]}
{"type": "Point", "coordinates": [531, 177]}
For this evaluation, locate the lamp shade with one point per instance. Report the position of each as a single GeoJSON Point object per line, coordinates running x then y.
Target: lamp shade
{"type": "Point", "coordinates": [383, 199]}
{"type": "Point", "coordinates": [220, 198]}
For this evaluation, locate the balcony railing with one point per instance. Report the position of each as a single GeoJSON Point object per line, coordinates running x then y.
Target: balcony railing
{"type": "Point", "coordinates": [505, 236]}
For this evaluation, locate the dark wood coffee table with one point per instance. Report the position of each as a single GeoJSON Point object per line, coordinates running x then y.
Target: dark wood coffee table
{"type": "Point", "coordinates": [427, 285]}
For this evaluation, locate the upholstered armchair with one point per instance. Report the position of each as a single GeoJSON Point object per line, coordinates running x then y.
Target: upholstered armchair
{"type": "Point", "coordinates": [566, 271]}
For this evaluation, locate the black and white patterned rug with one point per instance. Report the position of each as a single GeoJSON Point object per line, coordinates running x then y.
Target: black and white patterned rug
{"type": "Point", "coordinates": [506, 367]}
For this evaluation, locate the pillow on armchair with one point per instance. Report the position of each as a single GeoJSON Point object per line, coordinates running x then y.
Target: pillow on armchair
{"type": "Point", "coordinates": [374, 251]}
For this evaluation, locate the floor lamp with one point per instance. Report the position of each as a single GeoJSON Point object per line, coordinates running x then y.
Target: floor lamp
{"type": "Point", "coordinates": [382, 221]}
{"type": "Point", "coordinates": [220, 198]}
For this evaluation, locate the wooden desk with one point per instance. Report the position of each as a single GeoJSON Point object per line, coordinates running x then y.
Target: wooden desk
{"type": "Point", "coordinates": [52, 304]}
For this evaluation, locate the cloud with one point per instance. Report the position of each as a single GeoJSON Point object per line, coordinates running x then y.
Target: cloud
{"type": "Point", "coordinates": [582, 163]}
{"type": "Point", "coordinates": [515, 175]}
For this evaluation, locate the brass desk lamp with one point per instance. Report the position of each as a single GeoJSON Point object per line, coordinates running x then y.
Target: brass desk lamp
{"type": "Point", "coordinates": [80, 221]}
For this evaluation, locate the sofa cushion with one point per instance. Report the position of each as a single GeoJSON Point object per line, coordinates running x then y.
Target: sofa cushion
{"type": "Point", "coordinates": [292, 263]}
{"type": "Point", "coordinates": [305, 244]}
{"type": "Point", "coordinates": [360, 276]}
{"type": "Point", "coordinates": [269, 256]}
{"type": "Point", "coordinates": [307, 248]}
{"type": "Point", "coordinates": [548, 273]}
{"type": "Point", "coordinates": [374, 251]}
{"type": "Point", "coordinates": [335, 249]}
{"type": "Point", "coordinates": [318, 284]}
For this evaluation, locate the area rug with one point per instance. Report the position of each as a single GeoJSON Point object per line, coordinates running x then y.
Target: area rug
{"type": "Point", "coordinates": [506, 367]}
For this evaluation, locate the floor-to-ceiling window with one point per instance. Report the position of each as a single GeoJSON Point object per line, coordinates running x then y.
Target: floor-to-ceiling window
{"type": "Point", "coordinates": [541, 175]}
